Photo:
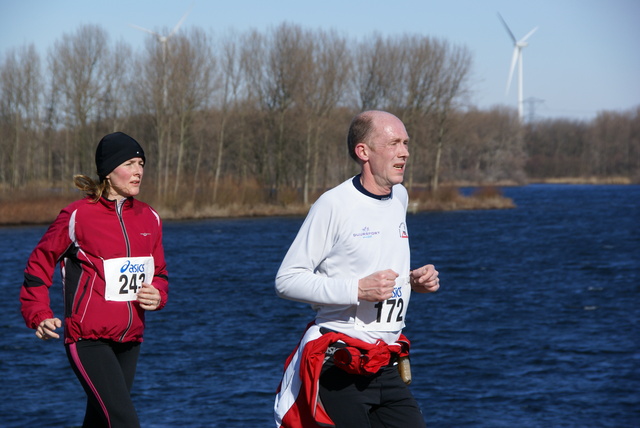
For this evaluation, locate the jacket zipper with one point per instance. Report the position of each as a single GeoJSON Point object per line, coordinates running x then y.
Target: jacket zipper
{"type": "Point", "coordinates": [119, 208]}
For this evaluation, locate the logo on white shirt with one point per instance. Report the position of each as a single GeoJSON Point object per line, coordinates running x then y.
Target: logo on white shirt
{"type": "Point", "coordinates": [402, 229]}
{"type": "Point", "coordinates": [366, 233]}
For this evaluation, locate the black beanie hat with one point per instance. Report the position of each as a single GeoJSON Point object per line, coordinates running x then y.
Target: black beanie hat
{"type": "Point", "coordinates": [115, 149]}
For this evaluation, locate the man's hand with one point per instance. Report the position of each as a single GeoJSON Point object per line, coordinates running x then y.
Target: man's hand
{"type": "Point", "coordinates": [425, 279]}
{"type": "Point", "coordinates": [378, 286]}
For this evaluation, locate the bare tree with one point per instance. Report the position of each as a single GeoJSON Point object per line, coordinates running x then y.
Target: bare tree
{"type": "Point", "coordinates": [419, 78]}
{"type": "Point", "coordinates": [414, 95]}
{"type": "Point", "coordinates": [558, 148]}
{"type": "Point", "coordinates": [422, 70]}
{"type": "Point", "coordinates": [486, 146]}
{"type": "Point", "coordinates": [253, 68]}
{"type": "Point", "coordinates": [286, 96]}
{"type": "Point", "coordinates": [231, 79]}
{"type": "Point", "coordinates": [326, 80]}
{"type": "Point", "coordinates": [373, 72]}
{"type": "Point", "coordinates": [79, 76]}
{"type": "Point", "coordinates": [614, 141]}
{"type": "Point", "coordinates": [451, 89]}
{"type": "Point", "coordinates": [191, 79]}
{"type": "Point", "coordinates": [149, 93]}
{"type": "Point", "coordinates": [275, 77]}
{"type": "Point", "coordinates": [21, 91]}
{"type": "Point", "coordinates": [116, 104]}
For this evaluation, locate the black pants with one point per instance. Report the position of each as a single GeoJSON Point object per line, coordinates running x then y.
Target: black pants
{"type": "Point", "coordinates": [380, 400]}
{"type": "Point", "coordinates": [106, 370]}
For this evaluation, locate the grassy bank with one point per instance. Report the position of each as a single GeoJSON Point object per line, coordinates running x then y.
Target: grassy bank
{"type": "Point", "coordinates": [41, 207]}
{"type": "Point", "coordinates": [584, 180]}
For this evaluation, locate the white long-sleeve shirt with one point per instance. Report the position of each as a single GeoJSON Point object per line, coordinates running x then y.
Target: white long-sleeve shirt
{"type": "Point", "coordinates": [346, 236]}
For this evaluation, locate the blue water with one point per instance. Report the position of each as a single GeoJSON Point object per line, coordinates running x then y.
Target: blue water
{"type": "Point", "coordinates": [536, 323]}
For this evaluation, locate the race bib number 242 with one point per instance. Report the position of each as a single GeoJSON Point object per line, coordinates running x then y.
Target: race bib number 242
{"type": "Point", "coordinates": [124, 277]}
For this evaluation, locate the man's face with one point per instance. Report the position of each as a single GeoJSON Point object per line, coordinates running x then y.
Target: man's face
{"type": "Point", "coordinates": [388, 152]}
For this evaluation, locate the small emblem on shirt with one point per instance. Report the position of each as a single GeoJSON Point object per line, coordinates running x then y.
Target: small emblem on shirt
{"type": "Point", "coordinates": [366, 233]}
{"type": "Point", "coordinates": [403, 231]}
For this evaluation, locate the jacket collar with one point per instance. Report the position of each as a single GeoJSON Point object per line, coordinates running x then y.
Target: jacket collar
{"type": "Point", "coordinates": [112, 203]}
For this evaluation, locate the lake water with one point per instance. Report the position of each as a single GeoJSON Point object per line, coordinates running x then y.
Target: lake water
{"type": "Point", "coordinates": [536, 323]}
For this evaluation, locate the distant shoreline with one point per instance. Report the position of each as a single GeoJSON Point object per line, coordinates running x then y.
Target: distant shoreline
{"type": "Point", "coordinates": [44, 212]}
{"type": "Point", "coordinates": [42, 209]}
{"type": "Point", "coordinates": [554, 180]}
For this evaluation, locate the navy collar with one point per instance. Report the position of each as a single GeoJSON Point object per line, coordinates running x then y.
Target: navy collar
{"type": "Point", "coordinates": [358, 185]}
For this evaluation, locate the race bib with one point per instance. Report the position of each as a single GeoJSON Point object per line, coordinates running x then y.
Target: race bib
{"type": "Point", "coordinates": [124, 277]}
{"type": "Point", "coordinates": [388, 315]}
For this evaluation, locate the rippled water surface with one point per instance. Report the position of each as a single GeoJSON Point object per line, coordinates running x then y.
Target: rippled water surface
{"type": "Point", "coordinates": [536, 323]}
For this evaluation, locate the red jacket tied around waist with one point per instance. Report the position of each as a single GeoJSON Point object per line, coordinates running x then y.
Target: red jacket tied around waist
{"type": "Point", "coordinates": [297, 403]}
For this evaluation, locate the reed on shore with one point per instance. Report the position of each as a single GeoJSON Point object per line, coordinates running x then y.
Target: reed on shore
{"type": "Point", "coordinates": [41, 206]}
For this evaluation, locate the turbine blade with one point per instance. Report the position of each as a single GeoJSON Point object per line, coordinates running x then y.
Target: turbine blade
{"type": "Point", "coordinates": [180, 22]}
{"type": "Point", "coordinates": [524, 39]}
{"type": "Point", "coordinates": [507, 28]}
{"type": "Point", "coordinates": [514, 60]}
{"type": "Point", "coordinates": [145, 30]}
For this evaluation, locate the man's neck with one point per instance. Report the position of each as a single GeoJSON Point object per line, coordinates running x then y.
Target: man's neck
{"type": "Point", "coordinates": [360, 185]}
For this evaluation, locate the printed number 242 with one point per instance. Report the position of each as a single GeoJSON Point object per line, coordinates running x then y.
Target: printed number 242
{"type": "Point", "coordinates": [131, 283]}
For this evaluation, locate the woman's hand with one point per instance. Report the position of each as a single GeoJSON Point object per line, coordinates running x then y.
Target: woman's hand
{"type": "Point", "coordinates": [149, 297]}
{"type": "Point", "coordinates": [46, 329]}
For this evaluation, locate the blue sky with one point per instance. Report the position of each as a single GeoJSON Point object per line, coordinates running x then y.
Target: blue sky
{"type": "Point", "coordinates": [584, 57]}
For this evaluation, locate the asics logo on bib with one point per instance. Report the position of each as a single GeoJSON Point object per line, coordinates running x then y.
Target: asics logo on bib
{"type": "Point", "coordinates": [397, 292]}
{"type": "Point", "coordinates": [132, 267]}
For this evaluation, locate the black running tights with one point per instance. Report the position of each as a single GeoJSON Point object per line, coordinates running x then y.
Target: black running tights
{"type": "Point", "coordinates": [106, 370]}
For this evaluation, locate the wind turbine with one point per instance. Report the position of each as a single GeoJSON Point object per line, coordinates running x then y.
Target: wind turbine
{"type": "Point", "coordinates": [517, 57]}
{"type": "Point", "coordinates": [163, 42]}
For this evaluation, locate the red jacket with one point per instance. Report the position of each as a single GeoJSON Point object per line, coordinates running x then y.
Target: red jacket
{"type": "Point", "coordinates": [298, 402]}
{"type": "Point", "coordinates": [82, 236]}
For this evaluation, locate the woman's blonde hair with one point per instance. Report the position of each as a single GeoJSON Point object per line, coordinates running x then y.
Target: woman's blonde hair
{"type": "Point", "coordinates": [94, 189]}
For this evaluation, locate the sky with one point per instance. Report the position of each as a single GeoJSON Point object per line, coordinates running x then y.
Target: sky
{"type": "Point", "coordinates": [584, 57]}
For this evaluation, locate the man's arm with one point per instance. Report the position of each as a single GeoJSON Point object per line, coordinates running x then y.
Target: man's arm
{"type": "Point", "coordinates": [300, 277]}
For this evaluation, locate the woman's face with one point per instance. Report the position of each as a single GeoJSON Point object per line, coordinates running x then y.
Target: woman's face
{"type": "Point", "coordinates": [124, 181]}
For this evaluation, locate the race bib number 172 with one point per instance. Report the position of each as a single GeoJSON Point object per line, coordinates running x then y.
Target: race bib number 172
{"type": "Point", "coordinates": [387, 315]}
{"type": "Point", "coordinates": [124, 277]}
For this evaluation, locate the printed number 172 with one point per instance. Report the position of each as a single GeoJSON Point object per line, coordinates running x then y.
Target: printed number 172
{"type": "Point", "coordinates": [396, 304]}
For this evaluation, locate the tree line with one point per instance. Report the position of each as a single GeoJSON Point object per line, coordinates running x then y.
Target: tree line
{"type": "Point", "coordinates": [263, 115]}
